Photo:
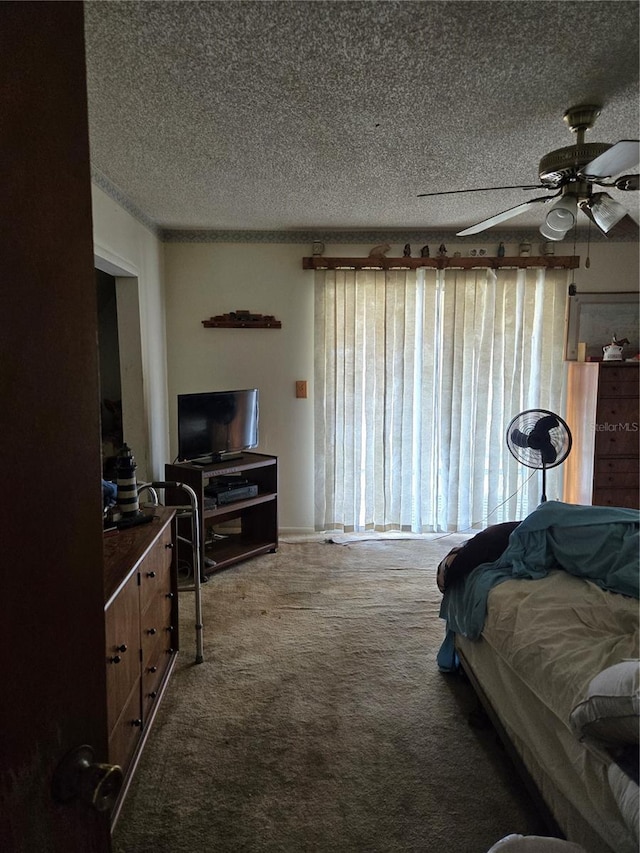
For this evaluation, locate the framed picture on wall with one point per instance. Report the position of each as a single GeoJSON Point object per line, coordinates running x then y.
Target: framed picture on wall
{"type": "Point", "coordinates": [595, 317]}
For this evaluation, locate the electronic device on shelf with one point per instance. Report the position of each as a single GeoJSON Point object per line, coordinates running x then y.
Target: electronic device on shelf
{"type": "Point", "coordinates": [229, 492]}
{"type": "Point", "coordinates": [217, 425]}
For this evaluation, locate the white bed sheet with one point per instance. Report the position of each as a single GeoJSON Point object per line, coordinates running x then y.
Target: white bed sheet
{"type": "Point", "coordinates": [543, 641]}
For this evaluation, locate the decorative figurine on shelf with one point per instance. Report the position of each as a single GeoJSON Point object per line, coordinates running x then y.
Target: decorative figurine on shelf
{"type": "Point", "coordinates": [379, 251]}
{"type": "Point", "coordinates": [128, 490]}
{"type": "Point", "coordinates": [613, 351]}
{"type": "Point", "coordinates": [127, 486]}
{"type": "Point", "coordinates": [407, 250]}
{"type": "Point", "coordinates": [442, 250]}
{"type": "Point", "coordinates": [424, 252]}
{"type": "Point", "coordinates": [501, 250]}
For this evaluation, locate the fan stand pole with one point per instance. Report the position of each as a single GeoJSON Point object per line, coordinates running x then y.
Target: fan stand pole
{"type": "Point", "coordinates": [544, 484]}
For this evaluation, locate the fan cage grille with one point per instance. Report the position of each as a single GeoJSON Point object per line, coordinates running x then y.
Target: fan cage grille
{"type": "Point", "coordinates": [523, 424]}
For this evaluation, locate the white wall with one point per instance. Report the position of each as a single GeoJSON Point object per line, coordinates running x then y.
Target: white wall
{"type": "Point", "coordinates": [127, 249]}
{"type": "Point", "coordinates": [204, 279]}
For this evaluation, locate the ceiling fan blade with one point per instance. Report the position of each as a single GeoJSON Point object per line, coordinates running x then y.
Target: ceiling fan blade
{"type": "Point", "coordinates": [506, 214]}
{"type": "Point", "coordinates": [627, 227]}
{"type": "Point", "coordinates": [620, 157]}
{"type": "Point", "coordinates": [485, 190]}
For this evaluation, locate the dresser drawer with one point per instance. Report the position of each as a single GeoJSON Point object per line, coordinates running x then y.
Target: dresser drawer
{"type": "Point", "coordinates": [629, 498]}
{"type": "Point", "coordinates": [127, 732]}
{"type": "Point", "coordinates": [615, 465]}
{"type": "Point", "coordinates": [616, 480]}
{"type": "Point", "coordinates": [618, 381]}
{"type": "Point", "coordinates": [617, 430]}
{"type": "Point", "coordinates": [122, 629]}
{"type": "Point", "coordinates": [153, 674]}
{"type": "Point", "coordinates": [155, 571]}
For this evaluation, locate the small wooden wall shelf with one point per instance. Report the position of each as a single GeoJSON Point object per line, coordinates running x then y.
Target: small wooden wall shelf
{"type": "Point", "coordinates": [242, 320]}
{"type": "Point", "coordinates": [441, 263]}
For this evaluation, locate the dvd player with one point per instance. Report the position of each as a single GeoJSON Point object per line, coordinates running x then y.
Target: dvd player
{"type": "Point", "coordinates": [229, 494]}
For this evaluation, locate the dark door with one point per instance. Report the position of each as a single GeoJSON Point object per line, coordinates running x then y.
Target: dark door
{"type": "Point", "coordinates": [52, 678]}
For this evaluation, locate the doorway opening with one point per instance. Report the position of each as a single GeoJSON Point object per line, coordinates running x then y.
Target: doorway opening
{"type": "Point", "coordinates": [111, 434]}
{"type": "Point", "coordinates": [122, 398]}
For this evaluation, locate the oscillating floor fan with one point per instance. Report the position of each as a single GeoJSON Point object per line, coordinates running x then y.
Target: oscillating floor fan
{"type": "Point", "coordinates": [539, 439]}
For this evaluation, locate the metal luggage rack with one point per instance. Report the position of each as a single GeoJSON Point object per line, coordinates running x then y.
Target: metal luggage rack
{"type": "Point", "coordinates": [186, 511]}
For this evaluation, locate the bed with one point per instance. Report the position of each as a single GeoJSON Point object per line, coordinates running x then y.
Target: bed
{"type": "Point", "coordinates": [548, 634]}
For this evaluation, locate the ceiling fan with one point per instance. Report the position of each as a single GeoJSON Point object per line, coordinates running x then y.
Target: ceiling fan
{"type": "Point", "coordinates": [571, 174]}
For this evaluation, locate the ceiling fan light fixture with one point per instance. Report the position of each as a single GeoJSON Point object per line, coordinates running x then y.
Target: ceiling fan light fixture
{"type": "Point", "coordinates": [561, 218]}
{"type": "Point", "coordinates": [606, 211]}
{"type": "Point", "coordinates": [562, 215]}
{"type": "Point", "coordinates": [551, 233]}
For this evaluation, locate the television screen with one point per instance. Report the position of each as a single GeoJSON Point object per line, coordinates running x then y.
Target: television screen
{"type": "Point", "coordinates": [217, 423]}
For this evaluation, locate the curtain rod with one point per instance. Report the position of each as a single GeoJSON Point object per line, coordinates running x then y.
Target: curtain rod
{"type": "Point", "coordinates": [569, 262]}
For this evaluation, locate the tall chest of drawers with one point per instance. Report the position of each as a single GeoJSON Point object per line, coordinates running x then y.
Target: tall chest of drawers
{"type": "Point", "coordinates": [141, 629]}
{"type": "Point", "coordinates": [603, 414]}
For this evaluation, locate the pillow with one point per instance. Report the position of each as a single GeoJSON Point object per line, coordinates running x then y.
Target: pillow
{"type": "Point", "coordinates": [625, 792]}
{"type": "Point", "coordinates": [609, 711]}
{"type": "Point", "coordinates": [535, 844]}
{"type": "Point", "coordinates": [485, 547]}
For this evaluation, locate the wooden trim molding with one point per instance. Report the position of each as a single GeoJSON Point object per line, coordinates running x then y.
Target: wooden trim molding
{"type": "Point", "coordinates": [568, 262]}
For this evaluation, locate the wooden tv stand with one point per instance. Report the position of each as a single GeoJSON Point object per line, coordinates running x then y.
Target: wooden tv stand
{"type": "Point", "coordinates": [256, 516]}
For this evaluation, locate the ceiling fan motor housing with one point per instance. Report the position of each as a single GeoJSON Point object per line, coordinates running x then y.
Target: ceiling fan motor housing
{"type": "Point", "coordinates": [565, 164]}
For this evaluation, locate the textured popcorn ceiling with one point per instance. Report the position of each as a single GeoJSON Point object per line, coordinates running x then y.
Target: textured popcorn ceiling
{"type": "Point", "coordinates": [334, 115]}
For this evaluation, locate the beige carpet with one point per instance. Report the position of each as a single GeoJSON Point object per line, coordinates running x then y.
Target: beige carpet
{"type": "Point", "coordinates": [318, 720]}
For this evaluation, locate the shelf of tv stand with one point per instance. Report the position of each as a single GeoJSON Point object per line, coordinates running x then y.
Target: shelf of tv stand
{"type": "Point", "coordinates": [235, 506]}
{"type": "Point", "coordinates": [233, 549]}
{"type": "Point", "coordinates": [257, 516]}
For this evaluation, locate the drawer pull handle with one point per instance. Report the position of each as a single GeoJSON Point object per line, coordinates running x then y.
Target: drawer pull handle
{"type": "Point", "coordinates": [152, 631]}
{"type": "Point", "coordinates": [122, 648]}
{"type": "Point", "coordinates": [115, 659]}
{"type": "Point", "coordinates": [151, 574]}
{"type": "Point", "coordinates": [153, 694]}
{"type": "Point", "coordinates": [169, 545]}
{"type": "Point", "coordinates": [169, 595]}
{"type": "Point", "coordinates": [152, 669]}
{"type": "Point", "coordinates": [136, 723]}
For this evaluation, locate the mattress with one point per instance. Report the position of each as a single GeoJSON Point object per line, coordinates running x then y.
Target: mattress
{"type": "Point", "coordinates": [542, 643]}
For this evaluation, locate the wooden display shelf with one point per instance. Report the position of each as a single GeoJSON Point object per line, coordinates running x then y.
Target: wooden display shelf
{"type": "Point", "coordinates": [242, 320]}
{"type": "Point", "coordinates": [441, 263]}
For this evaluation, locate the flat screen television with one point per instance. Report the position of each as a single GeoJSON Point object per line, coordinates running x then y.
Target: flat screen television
{"type": "Point", "coordinates": [217, 425]}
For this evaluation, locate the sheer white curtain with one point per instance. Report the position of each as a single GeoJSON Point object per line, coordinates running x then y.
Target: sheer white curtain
{"type": "Point", "coordinates": [418, 374]}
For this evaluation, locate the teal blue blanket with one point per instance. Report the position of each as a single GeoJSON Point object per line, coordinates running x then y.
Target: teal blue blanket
{"type": "Point", "coordinates": [600, 544]}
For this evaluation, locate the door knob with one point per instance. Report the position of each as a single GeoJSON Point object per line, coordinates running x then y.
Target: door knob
{"type": "Point", "coordinates": [78, 776]}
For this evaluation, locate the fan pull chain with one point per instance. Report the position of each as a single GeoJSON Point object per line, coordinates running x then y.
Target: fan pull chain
{"type": "Point", "coordinates": [573, 288]}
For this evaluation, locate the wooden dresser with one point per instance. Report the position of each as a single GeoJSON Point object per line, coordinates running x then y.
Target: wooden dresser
{"type": "Point", "coordinates": [141, 621]}
{"type": "Point", "coordinates": [603, 414]}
